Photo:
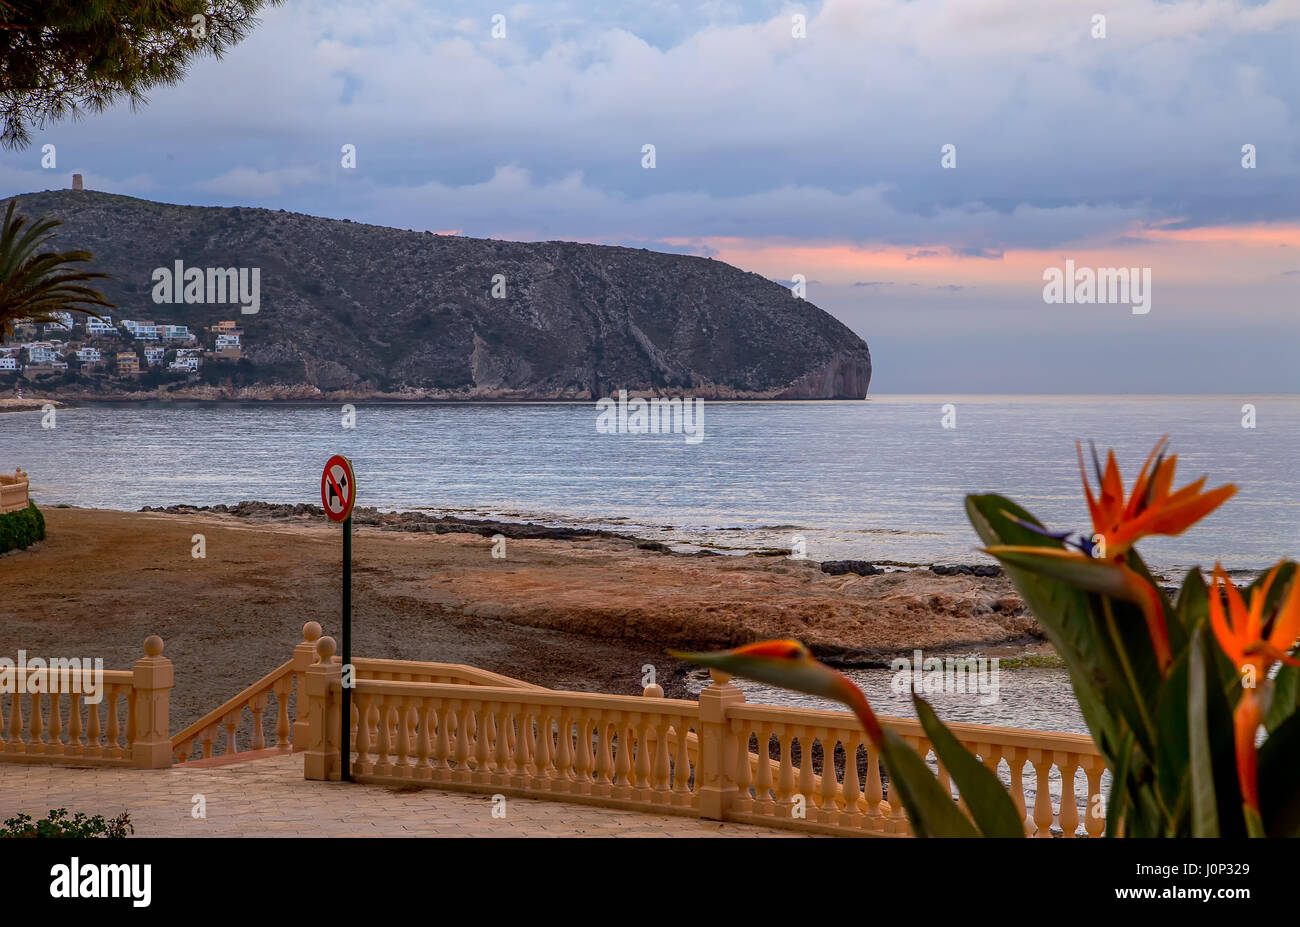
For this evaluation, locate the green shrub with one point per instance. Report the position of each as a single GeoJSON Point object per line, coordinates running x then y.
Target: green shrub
{"type": "Point", "coordinates": [57, 824]}
{"type": "Point", "coordinates": [21, 528]}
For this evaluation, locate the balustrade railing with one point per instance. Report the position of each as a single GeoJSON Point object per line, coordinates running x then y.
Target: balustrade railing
{"type": "Point", "coordinates": [87, 717]}
{"type": "Point", "coordinates": [459, 727]}
{"type": "Point", "coordinates": [717, 757]}
{"type": "Point", "coordinates": [14, 491]}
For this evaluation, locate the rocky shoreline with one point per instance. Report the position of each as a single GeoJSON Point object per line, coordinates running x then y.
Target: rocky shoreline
{"type": "Point", "coordinates": [422, 522]}
{"type": "Point", "coordinates": [27, 404]}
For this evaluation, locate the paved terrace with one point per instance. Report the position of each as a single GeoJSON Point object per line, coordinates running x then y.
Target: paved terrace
{"type": "Point", "coordinates": [265, 795]}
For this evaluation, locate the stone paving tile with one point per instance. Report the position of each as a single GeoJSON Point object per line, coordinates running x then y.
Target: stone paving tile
{"type": "Point", "coordinates": [268, 797]}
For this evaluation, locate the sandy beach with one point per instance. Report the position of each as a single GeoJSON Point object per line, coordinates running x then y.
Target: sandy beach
{"type": "Point", "coordinates": [583, 613]}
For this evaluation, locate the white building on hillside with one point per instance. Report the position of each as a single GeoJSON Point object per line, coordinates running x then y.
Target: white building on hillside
{"type": "Point", "coordinates": [142, 331]}
{"type": "Point", "coordinates": [42, 352]}
{"type": "Point", "coordinates": [100, 327]}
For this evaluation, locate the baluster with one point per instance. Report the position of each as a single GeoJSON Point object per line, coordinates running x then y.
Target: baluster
{"type": "Point", "coordinates": [643, 768]}
{"type": "Point", "coordinates": [114, 748]}
{"type": "Point", "coordinates": [16, 744]}
{"type": "Point", "coordinates": [460, 753]}
{"type": "Point", "coordinates": [130, 694]}
{"type": "Point", "coordinates": [1016, 761]}
{"type": "Point", "coordinates": [441, 742]}
{"type": "Point", "coordinates": [374, 718]}
{"type": "Point", "coordinates": [383, 764]}
{"type": "Point", "coordinates": [744, 775]}
{"type": "Point", "coordinates": [230, 722]}
{"type": "Point", "coordinates": [830, 786]}
{"type": "Point", "coordinates": [898, 823]}
{"type": "Point", "coordinates": [851, 790]}
{"type": "Point", "coordinates": [1042, 761]}
{"type": "Point", "coordinates": [1069, 813]}
{"type": "Point", "coordinates": [785, 773]}
{"type": "Point", "coordinates": [481, 743]}
{"type": "Point", "coordinates": [807, 777]}
{"type": "Point", "coordinates": [875, 812]}
{"type": "Point", "coordinates": [604, 756]}
{"type": "Point", "coordinates": [584, 762]}
{"type": "Point", "coordinates": [93, 747]}
{"type": "Point", "coordinates": [663, 767]}
{"type": "Point", "coordinates": [257, 704]}
{"type": "Point", "coordinates": [361, 703]}
{"type": "Point", "coordinates": [74, 747]}
{"type": "Point", "coordinates": [461, 773]}
{"type": "Point", "coordinates": [36, 743]}
{"type": "Point", "coordinates": [1094, 824]}
{"type": "Point", "coordinates": [283, 686]}
{"type": "Point", "coordinates": [403, 768]}
{"type": "Point", "coordinates": [522, 757]}
{"type": "Point", "coordinates": [563, 781]}
{"type": "Point", "coordinates": [623, 763]}
{"type": "Point", "coordinates": [763, 782]}
{"type": "Point", "coordinates": [4, 740]}
{"type": "Point", "coordinates": [682, 775]}
{"type": "Point", "coordinates": [503, 724]}
{"type": "Point", "coordinates": [542, 748]}
{"type": "Point", "coordinates": [56, 723]}
{"type": "Point", "coordinates": [477, 717]}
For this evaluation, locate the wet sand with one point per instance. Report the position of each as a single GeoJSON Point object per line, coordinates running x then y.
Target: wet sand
{"type": "Point", "coordinates": [585, 613]}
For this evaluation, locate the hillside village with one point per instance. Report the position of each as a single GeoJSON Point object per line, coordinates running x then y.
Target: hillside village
{"type": "Point", "coordinates": [88, 348]}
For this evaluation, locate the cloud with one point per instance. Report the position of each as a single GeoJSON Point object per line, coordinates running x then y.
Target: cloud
{"type": "Point", "coordinates": [1059, 136]}
{"type": "Point", "coordinates": [252, 184]}
{"type": "Point", "coordinates": [818, 156]}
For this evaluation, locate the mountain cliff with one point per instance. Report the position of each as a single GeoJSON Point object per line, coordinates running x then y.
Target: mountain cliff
{"type": "Point", "coordinates": [347, 309]}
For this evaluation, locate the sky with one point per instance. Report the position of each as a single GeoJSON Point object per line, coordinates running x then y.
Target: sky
{"type": "Point", "coordinates": [800, 141]}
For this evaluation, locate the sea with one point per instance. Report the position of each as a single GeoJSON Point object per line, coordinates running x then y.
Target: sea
{"type": "Point", "coordinates": [880, 480]}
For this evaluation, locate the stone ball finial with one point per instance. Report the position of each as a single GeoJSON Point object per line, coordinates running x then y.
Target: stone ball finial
{"type": "Point", "coordinates": [654, 690]}
{"type": "Point", "coordinates": [311, 631]}
{"type": "Point", "coordinates": [153, 645]}
{"type": "Point", "coordinates": [325, 648]}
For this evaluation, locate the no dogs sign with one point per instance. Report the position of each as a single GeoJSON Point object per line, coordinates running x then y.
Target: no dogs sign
{"type": "Point", "coordinates": [338, 488]}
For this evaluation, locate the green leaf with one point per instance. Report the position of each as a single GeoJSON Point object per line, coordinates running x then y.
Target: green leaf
{"type": "Point", "coordinates": [989, 802]}
{"type": "Point", "coordinates": [1120, 803]}
{"type": "Point", "coordinates": [929, 806]}
{"type": "Point", "coordinates": [1279, 785]}
{"type": "Point", "coordinates": [1064, 614]}
{"type": "Point", "coordinates": [1286, 697]}
{"type": "Point", "coordinates": [1173, 749]}
{"type": "Point", "coordinates": [1193, 601]}
{"type": "Point", "coordinates": [1205, 805]}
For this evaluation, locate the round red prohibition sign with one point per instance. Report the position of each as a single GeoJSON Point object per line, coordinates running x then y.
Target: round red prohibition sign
{"type": "Point", "coordinates": [338, 488]}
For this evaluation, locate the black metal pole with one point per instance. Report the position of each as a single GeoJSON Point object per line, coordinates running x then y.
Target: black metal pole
{"type": "Point", "coordinates": [345, 714]}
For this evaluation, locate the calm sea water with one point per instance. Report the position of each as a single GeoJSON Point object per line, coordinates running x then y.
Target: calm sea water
{"type": "Point", "coordinates": [875, 480]}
